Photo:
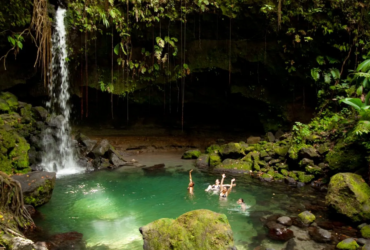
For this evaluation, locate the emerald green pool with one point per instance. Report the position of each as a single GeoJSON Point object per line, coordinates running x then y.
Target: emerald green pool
{"type": "Point", "coordinates": [108, 207]}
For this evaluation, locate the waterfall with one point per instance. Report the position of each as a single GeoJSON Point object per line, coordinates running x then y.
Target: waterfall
{"type": "Point", "coordinates": [58, 146]}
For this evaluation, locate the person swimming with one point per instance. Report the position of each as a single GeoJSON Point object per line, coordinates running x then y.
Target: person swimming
{"type": "Point", "coordinates": [191, 183]}
{"type": "Point", "coordinates": [214, 187]}
{"type": "Point", "coordinates": [224, 190]}
{"type": "Point", "coordinates": [242, 205]}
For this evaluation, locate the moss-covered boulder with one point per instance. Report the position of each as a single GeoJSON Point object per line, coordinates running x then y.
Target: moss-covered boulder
{"type": "Point", "coordinates": [214, 148]}
{"type": "Point", "coordinates": [9, 102]}
{"type": "Point", "coordinates": [305, 178]}
{"type": "Point", "coordinates": [37, 187]}
{"type": "Point", "coordinates": [235, 164]}
{"type": "Point", "coordinates": [13, 153]}
{"type": "Point", "coordinates": [315, 170]}
{"type": "Point", "coordinates": [365, 231]}
{"type": "Point", "coordinates": [345, 158]}
{"type": "Point", "coordinates": [214, 160]}
{"type": "Point", "coordinates": [231, 150]}
{"type": "Point", "coordinates": [308, 152]}
{"type": "Point", "coordinates": [281, 150]}
{"type": "Point", "coordinates": [348, 244]}
{"type": "Point", "coordinates": [191, 154]}
{"type": "Point", "coordinates": [307, 217]}
{"type": "Point", "coordinates": [349, 195]}
{"type": "Point", "coordinates": [199, 229]}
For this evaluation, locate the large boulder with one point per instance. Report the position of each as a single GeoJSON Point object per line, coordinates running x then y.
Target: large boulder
{"type": "Point", "coordinates": [349, 195]}
{"type": "Point", "coordinates": [232, 150]}
{"type": "Point", "coordinates": [86, 141]}
{"type": "Point", "coordinates": [199, 229]}
{"type": "Point", "coordinates": [191, 154]}
{"type": "Point", "coordinates": [101, 148]}
{"type": "Point", "coordinates": [8, 102]}
{"type": "Point", "coordinates": [203, 161]}
{"type": "Point", "coordinates": [37, 187]}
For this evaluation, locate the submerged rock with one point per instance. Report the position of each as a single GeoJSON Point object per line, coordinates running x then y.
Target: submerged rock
{"type": "Point", "coordinates": [199, 229]}
{"type": "Point", "coordinates": [307, 217]}
{"type": "Point", "coordinates": [348, 244]}
{"type": "Point", "coordinates": [37, 187]}
{"type": "Point", "coordinates": [349, 195]}
{"type": "Point", "coordinates": [282, 234]}
{"type": "Point", "coordinates": [285, 220]}
{"type": "Point", "coordinates": [319, 234]}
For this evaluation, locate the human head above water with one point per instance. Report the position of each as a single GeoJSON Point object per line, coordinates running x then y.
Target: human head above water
{"type": "Point", "coordinates": [240, 201]}
{"type": "Point", "coordinates": [217, 182]}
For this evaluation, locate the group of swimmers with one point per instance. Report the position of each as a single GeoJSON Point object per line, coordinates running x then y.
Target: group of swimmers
{"type": "Point", "coordinates": [224, 189]}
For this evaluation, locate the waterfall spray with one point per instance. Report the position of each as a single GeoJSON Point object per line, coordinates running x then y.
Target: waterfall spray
{"type": "Point", "coordinates": [59, 156]}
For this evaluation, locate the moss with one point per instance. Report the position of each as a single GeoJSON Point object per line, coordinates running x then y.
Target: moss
{"type": "Point", "coordinates": [307, 217]}
{"type": "Point", "coordinates": [19, 155]}
{"type": "Point", "coordinates": [264, 153]}
{"type": "Point", "coordinates": [235, 164]}
{"type": "Point", "coordinates": [313, 170]}
{"type": "Point", "coordinates": [284, 172]}
{"type": "Point", "coordinates": [349, 195]}
{"type": "Point", "coordinates": [294, 150]}
{"type": "Point", "coordinates": [345, 157]}
{"type": "Point", "coordinates": [262, 163]}
{"type": "Point", "coordinates": [232, 149]}
{"type": "Point", "coordinates": [293, 175]}
{"type": "Point", "coordinates": [365, 231]}
{"type": "Point", "coordinates": [271, 172]}
{"type": "Point", "coordinates": [281, 151]}
{"type": "Point", "coordinates": [305, 178]}
{"type": "Point", "coordinates": [213, 149]}
{"type": "Point", "coordinates": [198, 229]}
{"type": "Point", "coordinates": [348, 244]}
{"type": "Point", "coordinates": [214, 159]}
{"type": "Point", "coordinates": [266, 176]}
{"type": "Point", "coordinates": [191, 154]}
{"type": "Point", "coordinates": [10, 99]}
{"type": "Point", "coordinates": [256, 166]}
{"type": "Point", "coordinates": [278, 176]}
{"type": "Point", "coordinates": [282, 165]}
{"type": "Point", "coordinates": [4, 107]}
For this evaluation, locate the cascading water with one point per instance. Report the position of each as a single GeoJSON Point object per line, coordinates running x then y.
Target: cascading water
{"type": "Point", "coordinates": [56, 140]}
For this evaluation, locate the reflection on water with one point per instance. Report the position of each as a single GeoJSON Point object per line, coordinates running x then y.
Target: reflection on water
{"type": "Point", "coordinates": [109, 207]}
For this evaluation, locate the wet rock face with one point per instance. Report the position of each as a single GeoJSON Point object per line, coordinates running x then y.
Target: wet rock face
{"type": "Point", "coordinates": [70, 240]}
{"type": "Point", "coordinates": [37, 187]}
{"type": "Point", "coordinates": [199, 229]}
{"type": "Point", "coordinates": [203, 161]}
{"type": "Point", "coordinates": [349, 195]}
{"type": "Point", "coordinates": [319, 234]}
{"type": "Point", "coordinates": [281, 234]}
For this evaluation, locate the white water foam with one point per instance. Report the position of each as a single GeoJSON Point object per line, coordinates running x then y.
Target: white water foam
{"type": "Point", "coordinates": [59, 156]}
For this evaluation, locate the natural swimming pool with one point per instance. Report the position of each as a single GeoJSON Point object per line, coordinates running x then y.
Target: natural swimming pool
{"type": "Point", "coordinates": [109, 207]}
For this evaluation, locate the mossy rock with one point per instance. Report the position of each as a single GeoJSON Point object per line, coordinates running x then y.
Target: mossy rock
{"type": "Point", "coordinates": [10, 99]}
{"type": "Point", "coordinates": [215, 148]}
{"type": "Point", "coordinates": [231, 150]}
{"type": "Point", "coordinates": [202, 161]}
{"type": "Point", "coordinates": [306, 161]}
{"type": "Point", "coordinates": [263, 154]}
{"type": "Point", "coordinates": [266, 177]}
{"type": "Point", "coordinates": [348, 244]}
{"type": "Point", "coordinates": [214, 159]}
{"type": "Point", "coordinates": [284, 172]}
{"type": "Point", "coordinates": [278, 176]}
{"type": "Point", "coordinates": [294, 150]}
{"type": "Point", "coordinates": [235, 164]}
{"type": "Point", "coordinates": [313, 170]}
{"type": "Point", "coordinates": [256, 166]}
{"type": "Point", "coordinates": [37, 187]}
{"type": "Point", "coordinates": [293, 175]}
{"type": "Point", "coordinates": [271, 172]}
{"type": "Point", "coordinates": [262, 163]}
{"type": "Point", "coordinates": [365, 231]}
{"type": "Point", "coordinates": [281, 151]}
{"type": "Point", "coordinates": [307, 217]}
{"type": "Point", "coordinates": [305, 178]}
{"type": "Point", "coordinates": [323, 149]}
{"type": "Point", "coordinates": [349, 195]}
{"type": "Point", "coordinates": [199, 229]}
{"type": "Point", "coordinates": [191, 154]}
{"type": "Point", "coordinates": [282, 165]}
{"type": "Point", "coordinates": [345, 158]}
{"type": "Point", "coordinates": [4, 107]}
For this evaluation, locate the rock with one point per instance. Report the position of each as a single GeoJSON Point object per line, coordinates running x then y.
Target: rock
{"type": "Point", "coordinates": [345, 158]}
{"type": "Point", "coordinates": [306, 161]}
{"type": "Point", "coordinates": [365, 231]}
{"type": "Point", "coordinates": [55, 121]}
{"type": "Point", "coordinates": [313, 170]}
{"type": "Point", "coordinates": [319, 234]}
{"type": "Point", "coordinates": [309, 152]}
{"type": "Point", "coordinates": [323, 149]}
{"type": "Point", "coordinates": [270, 137]}
{"type": "Point", "coordinates": [198, 229]}
{"type": "Point", "coordinates": [273, 225]}
{"type": "Point", "coordinates": [281, 151]}
{"type": "Point", "coordinates": [305, 178]}
{"type": "Point", "coordinates": [19, 243]}
{"type": "Point", "coordinates": [9, 102]}
{"type": "Point", "coordinates": [282, 234]}
{"type": "Point", "coordinates": [41, 112]}
{"type": "Point", "coordinates": [215, 148]}
{"type": "Point", "coordinates": [362, 241]}
{"type": "Point", "coordinates": [154, 167]}
{"type": "Point", "coordinates": [203, 161]}
{"type": "Point", "coordinates": [348, 244]}
{"type": "Point", "coordinates": [285, 220]}
{"type": "Point", "coordinates": [349, 195]}
{"type": "Point", "coordinates": [361, 225]}
{"type": "Point", "coordinates": [253, 140]}
{"type": "Point", "coordinates": [235, 164]}
{"type": "Point", "coordinates": [191, 154]}
{"type": "Point", "coordinates": [37, 187]}
{"type": "Point", "coordinates": [291, 181]}
{"type": "Point", "coordinates": [116, 161]}
{"type": "Point", "coordinates": [101, 148]}
{"type": "Point", "coordinates": [291, 244]}
{"type": "Point", "coordinates": [214, 159]}
{"type": "Point", "coordinates": [266, 177]}
{"type": "Point", "coordinates": [366, 247]}
{"type": "Point", "coordinates": [70, 240]}
{"type": "Point", "coordinates": [307, 217]}
{"type": "Point", "coordinates": [231, 150]}
{"type": "Point", "coordinates": [86, 141]}
{"type": "Point", "coordinates": [278, 134]}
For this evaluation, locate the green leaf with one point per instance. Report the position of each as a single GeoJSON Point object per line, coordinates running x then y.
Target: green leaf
{"type": "Point", "coordinates": [116, 49]}
{"type": "Point", "coordinates": [335, 73]}
{"type": "Point", "coordinates": [327, 78]}
{"type": "Point", "coordinates": [354, 102]}
{"type": "Point", "coordinates": [320, 60]}
{"type": "Point", "coordinates": [143, 70]}
{"type": "Point", "coordinates": [367, 99]}
{"type": "Point", "coordinates": [156, 66]}
{"type": "Point", "coordinates": [186, 66]}
{"type": "Point", "coordinates": [315, 73]}
{"type": "Point", "coordinates": [11, 40]}
{"type": "Point", "coordinates": [364, 66]}
{"type": "Point", "coordinates": [19, 44]}
{"type": "Point", "coordinates": [359, 91]}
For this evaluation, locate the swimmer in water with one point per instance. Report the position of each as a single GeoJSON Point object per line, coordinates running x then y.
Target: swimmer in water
{"type": "Point", "coordinates": [191, 183]}
{"type": "Point", "coordinates": [214, 187]}
{"type": "Point", "coordinates": [224, 190]}
{"type": "Point", "coordinates": [241, 204]}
